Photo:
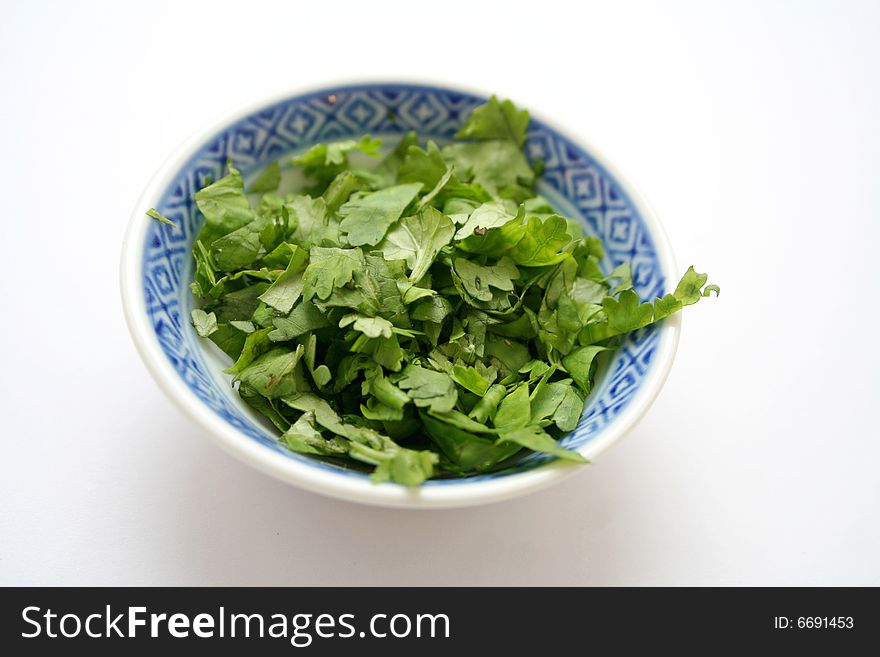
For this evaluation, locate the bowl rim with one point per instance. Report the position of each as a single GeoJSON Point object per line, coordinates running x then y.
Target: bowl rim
{"type": "Point", "coordinates": [301, 473]}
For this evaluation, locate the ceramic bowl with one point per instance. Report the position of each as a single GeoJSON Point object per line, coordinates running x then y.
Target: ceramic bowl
{"type": "Point", "coordinates": [579, 180]}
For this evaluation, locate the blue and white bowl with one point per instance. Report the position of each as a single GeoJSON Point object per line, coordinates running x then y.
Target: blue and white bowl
{"type": "Point", "coordinates": [580, 181]}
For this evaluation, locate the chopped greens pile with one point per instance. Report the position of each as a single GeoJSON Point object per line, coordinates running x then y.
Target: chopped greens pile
{"type": "Point", "coordinates": [427, 315]}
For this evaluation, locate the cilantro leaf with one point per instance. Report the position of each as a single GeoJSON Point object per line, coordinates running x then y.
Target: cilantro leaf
{"type": "Point", "coordinates": [427, 167]}
{"type": "Point", "coordinates": [541, 242]}
{"type": "Point", "coordinates": [305, 318]}
{"type": "Point", "coordinates": [394, 463]}
{"type": "Point", "coordinates": [288, 287]}
{"type": "Point", "coordinates": [427, 388]}
{"type": "Point", "coordinates": [538, 440]}
{"type": "Point", "coordinates": [224, 206]}
{"type": "Point", "coordinates": [255, 344]}
{"type": "Point", "coordinates": [514, 411]}
{"type": "Point", "coordinates": [418, 239]}
{"type": "Point", "coordinates": [569, 411]}
{"type": "Point", "coordinates": [204, 323]}
{"type": "Point", "coordinates": [240, 247]}
{"type": "Point", "coordinates": [273, 374]}
{"type": "Point", "coordinates": [489, 215]}
{"type": "Point", "coordinates": [469, 452]}
{"type": "Point", "coordinates": [477, 279]}
{"type": "Point", "coordinates": [372, 327]}
{"type": "Point", "coordinates": [367, 218]}
{"type": "Point", "coordinates": [329, 268]}
{"type": "Point", "coordinates": [471, 379]}
{"type": "Point", "coordinates": [495, 165]}
{"type": "Point", "coordinates": [268, 180]}
{"type": "Point", "coordinates": [496, 120]}
{"type": "Point", "coordinates": [323, 162]}
{"type": "Point", "coordinates": [579, 363]}
{"type": "Point", "coordinates": [303, 437]}
{"type": "Point", "coordinates": [152, 213]}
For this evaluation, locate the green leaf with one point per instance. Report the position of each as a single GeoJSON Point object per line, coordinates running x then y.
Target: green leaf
{"type": "Point", "coordinates": [542, 242]}
{"type": "Point", "coordinates": [470, 379]}
{"type": "Point", "coordinates": [626, 313]}
{"type": "Point", "coordinates": [264, 406]}
{"type": "Point", "coordinates": [665, 306]}
{"type": "Point", "coordinates": [385, 392]}
{"type": "Point", "coordinates": [240, 247]}
{"type": "Point", "coordinates": [496, 120]}
{"type": "Point", "coordinates": [247, 327]}
{"type": "Point", "coordinates": [624, 274]}
{"type": "Point", "coordinates": [466, 450]}
{"type": "Point", "coordinates": [579, 363]}
{"type": "Point", "coordinates": [321, 374]}
{"type": "Point", "coordinates": [288, 287]}
{"type": "Point", "coordinates": [441, 185]}
{"type": "Point", "coordinates": [273, 373]}
{"type": "Point", "coordinates": [280, 256]}
{"type": "Point", "coordinates": [434, 309]}
{"type": "Point", "coordinates": [160, 218]}
{"type": "Point", "coordinates": [568, 413]}
{"type": "Point", "coordinates": [372, 327]}
{"type": "Point", "coordinates": [228, 339]}
{"type": "Point", "coordinates": [493, 164]}
{"type": "Point", "coordinates": [255, 344]}
{"type": "Point", "coordinates": [339, 191]}
{"type": "Point", "coordinates": [486, 407]}
{"type": "Point", "coordinates": [478, 279]}
{"type": "Point", "coordinates": [330, 419]}
{"type": "Point", "coordinates": [427, 388]}
{"type": "Point", "coordinates": [489, 215]}
{"type": "Point", "coordinates": [268, 180]}
{"type": "Point", "coordinates": [367, 218]}
{"type": "Point", "coordinates": [310, 218]}
{"type": "Point", "coordinates": [394, 463]}
{"type": "Point", "coordinates": [411, 293]}
{"type": "Point", "coordinates": [407, 467]}
{"type": "Point", "coordinates": [204, 323]}
{"type": "Point", "coordinates": [537, 440]}
{"type": "Point", "coordinates": [545, 403]}
{"type": "Point", "coordinates": [323, 162]}
{"type": "Point", "coordinates": [239, 304]}
{"type": "Point", "coordinates": [514, 411]}
{"type": "Point", "coordinates": [688, 289]}
{"type": "Point", "coordinates": [510, 354]}
{"type": "Point", "coordinates": [375, 290]}
{"type": "Point", "coordinates": [462, 421]}
{"type": "Point", "coordinates": [306, 317]}
{"type": "Point", "coordinates": [426, 167]}
{"type": "Point", "coordinates": [328, 269]}
{"type": "Point", "coordinates": [418, 239]}
{"type": "Point", "coordinates": [225, 207]}
{"type": "Point", "coordinates": [384, 351]}
{"type": "Point", "coordinates": [302, 437]}
{"type": "Point", "coordinates": [389, 168]}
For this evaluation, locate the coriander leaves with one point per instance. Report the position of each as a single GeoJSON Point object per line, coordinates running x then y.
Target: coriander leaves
{"type": "Point", "coordinates": [424, 315]}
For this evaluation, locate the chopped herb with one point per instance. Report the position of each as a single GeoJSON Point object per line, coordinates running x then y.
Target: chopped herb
{"type": "Point", "coordinates": [152, 213]}
{"type": "Point", "coordinates": [426, 316]}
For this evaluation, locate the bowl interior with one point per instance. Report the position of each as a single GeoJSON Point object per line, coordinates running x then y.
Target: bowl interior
{"type": "Point", "coordinates": [573, 180]}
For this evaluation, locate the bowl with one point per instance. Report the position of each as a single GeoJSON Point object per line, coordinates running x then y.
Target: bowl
{"type": "Point", "coordinates": [156, 270]}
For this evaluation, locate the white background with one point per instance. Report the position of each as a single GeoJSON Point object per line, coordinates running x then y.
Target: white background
{"type": "Point", "coordinates": [752, 128]}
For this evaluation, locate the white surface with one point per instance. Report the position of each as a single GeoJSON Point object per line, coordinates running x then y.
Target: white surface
{"type": "Point", "coordinates": [752, 129]}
